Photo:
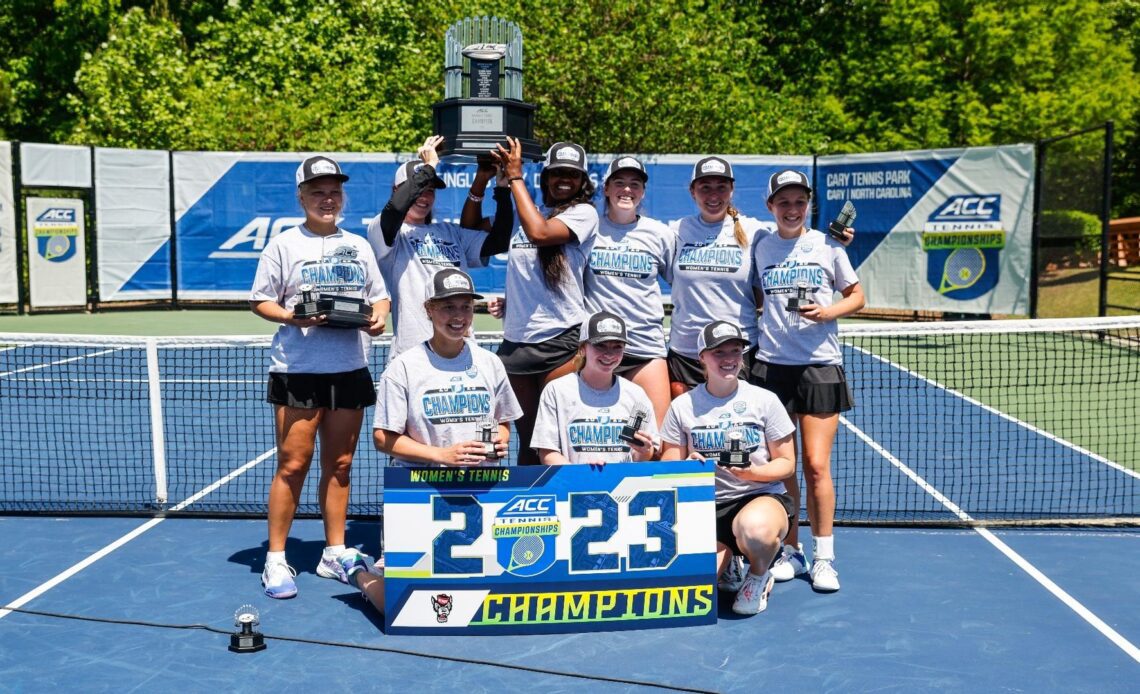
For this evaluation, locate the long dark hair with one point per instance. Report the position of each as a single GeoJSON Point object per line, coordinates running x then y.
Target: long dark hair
{"type": "Point", "coordinates": [553, 258]}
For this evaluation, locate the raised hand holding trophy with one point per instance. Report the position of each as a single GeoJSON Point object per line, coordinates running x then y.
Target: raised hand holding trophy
{"type": "Point", "coordinates": [482, 103]}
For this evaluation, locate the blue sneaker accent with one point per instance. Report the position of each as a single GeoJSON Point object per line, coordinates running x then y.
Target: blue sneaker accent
{"type": "Point", "coordinates": [329, 567]}
{"type": "Point", "coordinates": [353, 560]}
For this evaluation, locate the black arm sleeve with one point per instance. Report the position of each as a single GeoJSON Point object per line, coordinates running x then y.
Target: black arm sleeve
{"type": "Point", "coordinates": [499, 238]}
{"type": "Point", "coordinates": [392, 216]}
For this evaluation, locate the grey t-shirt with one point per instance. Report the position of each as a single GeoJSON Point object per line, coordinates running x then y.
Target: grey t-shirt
{"type": "Point", "coordinates": [700, 422]}
{"type": "Point", "coordinates": [441, 401]}
{"type": "Point", "coordinates": [711, 277]}
{"type": "Point", "coordinates": [821, 262]}
{"type": "Point", "coordinates": [583, 424]}
{"type": "Point", "coordinates": [535, 312]}
{"type": "Point", "coordinates": [408, 265]}
{"type": "Point", "coordinates": [625, 261]}
{"type": "Point", "coordinates": [341, 263]}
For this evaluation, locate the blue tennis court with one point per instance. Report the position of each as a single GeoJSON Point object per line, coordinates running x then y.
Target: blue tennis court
{"type": "Point", "coordinates": [102, 428]}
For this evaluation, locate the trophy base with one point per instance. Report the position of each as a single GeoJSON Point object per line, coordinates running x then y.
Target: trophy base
{"type": "Point", "coordinates": [734, 459]}
{"type": "Point", "coordinates": [472, 127]}
{"type": "Point", "coordinates": [341, 312]}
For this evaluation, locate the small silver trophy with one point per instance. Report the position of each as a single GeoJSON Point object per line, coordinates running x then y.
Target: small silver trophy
{"type": "Point", "coordinates": [487, 431]}
{"type": "Point", "coordinates": [632, 426]}
{"type": "Point", "coordinates": [734, 454]}
{"type": "Point", "coordinates": [800, 300]}
{"type": "Point", "coordinates": [838, 228]}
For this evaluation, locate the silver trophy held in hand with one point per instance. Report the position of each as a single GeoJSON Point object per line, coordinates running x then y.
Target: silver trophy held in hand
{"type": "Point", "coordinates": [339, 311]}
{"type": "Point", "coordinates": [838, 227]}
{"type": "Point", "coordinates": [488, 429]}
{"type": "Point", "coordinates": [734, 454]}
{"type": "Point", "coordinates": [801, 299]}
{"type": "Point", "coordinates": [632, 426]}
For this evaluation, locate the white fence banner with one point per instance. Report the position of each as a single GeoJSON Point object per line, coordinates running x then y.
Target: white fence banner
{"type": "Point", "coordinates": [57, 258]}
{"type": "Point", "coordinates": [132, 224]}
{"type": "Point", "coordinates": [9, 288]}
{"type": "Point", "coordinates": [55, 166]}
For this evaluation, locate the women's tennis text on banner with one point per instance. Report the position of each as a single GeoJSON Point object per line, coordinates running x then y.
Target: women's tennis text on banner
{"type": "Point", "coordinates": [529, 550]}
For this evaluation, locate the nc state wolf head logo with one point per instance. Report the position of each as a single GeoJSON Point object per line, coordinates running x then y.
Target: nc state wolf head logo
{"type": "Point", "coordinates": [442, 605]}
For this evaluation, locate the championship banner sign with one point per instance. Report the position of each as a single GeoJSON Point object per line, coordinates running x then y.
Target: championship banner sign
{"type": "Point", "coordinates": [57, 259]}
{"type": "Point", "coordinates": [535, 550]}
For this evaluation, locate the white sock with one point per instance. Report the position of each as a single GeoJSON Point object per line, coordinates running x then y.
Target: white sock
{"type": "Point", "coordinates": [824, 548]}
{"type": "Point", "coordinates": [275, 558]}
{"type": "Point", "coordinates": [332, 551]}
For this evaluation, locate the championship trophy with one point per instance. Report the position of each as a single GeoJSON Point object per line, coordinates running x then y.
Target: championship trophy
{"type": "Point", "coordinates": [487, 430]}
{"type": "Point", "coordinates": [797, 302]}
{"type": "Point", "coordinates": [632, 426]}
{"type": "Point", "coordinates": [734, 454]}
{"type": "Point", "coordinates": [482, 102]}
{"type": "Point", "coordinates": [340, 311]}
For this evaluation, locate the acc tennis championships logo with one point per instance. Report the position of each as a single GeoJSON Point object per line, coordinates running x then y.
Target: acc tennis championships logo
{"type": "Point", "coordinates": [524, 530]}
{"type": "Point", "coordinates": [962, 240]}
{"type": "Point", "coordinates": [55, 230]}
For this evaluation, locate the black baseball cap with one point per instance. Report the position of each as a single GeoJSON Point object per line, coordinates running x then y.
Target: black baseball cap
{"type": "Point", "coordinates": [712, 166]}
{"type": "Point", "coordinates": [784, 179]}
{"type": "Point", "coordinates": [319, 167]}
{"type": "Point", "coordinates": [450, 282]}
{"type": "Point", "coordinates": [626, 163]}
{"type": "Point", "coordinates": [603, 326]}
{"type": "Point", "coordinates": [408, 168]}
{"type": "Point", "coordinates": [719, 332]}
{"type": "Point", "coordinates": [565, 155]}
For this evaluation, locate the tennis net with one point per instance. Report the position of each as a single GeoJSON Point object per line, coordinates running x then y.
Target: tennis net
{"type": "Point", "coordinates": [964, 423]}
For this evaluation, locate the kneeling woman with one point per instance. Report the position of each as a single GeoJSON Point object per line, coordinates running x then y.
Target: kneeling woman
{"type": "Point", "coordinates": [435, 398]}
{"type": "Point", "coordinates": [582, 414]}
{"type": "Point", "coordinates": [752, 507]}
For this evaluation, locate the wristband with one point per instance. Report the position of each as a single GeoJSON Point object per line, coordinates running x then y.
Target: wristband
{"type": "Point", "coordinates": [512, 179]}
{"type": "Point", "coordinates": [474, 198]}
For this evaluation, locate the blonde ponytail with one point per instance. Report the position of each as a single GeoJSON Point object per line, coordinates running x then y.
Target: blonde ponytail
{"type": "Point", "coordinates": [737, 227]}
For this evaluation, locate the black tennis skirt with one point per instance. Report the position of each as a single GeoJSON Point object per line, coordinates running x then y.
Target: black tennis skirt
{"type": "Point", "coordinates": [347, 390]}
{"type": "Point", "coordinates": [726, 512]}
{"type": "Point", "coordinates": [806, 389]}
{"type": "Point", "coordinates": [525, 359]}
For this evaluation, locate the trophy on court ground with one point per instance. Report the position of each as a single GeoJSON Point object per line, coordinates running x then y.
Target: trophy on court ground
{"type": "Point", "coordinates": [632, 426]}
{"type": "Point", "coordinates": [340, 311]}
{"type": "Point", "coordinates": [734, 454]}
{"type": "Point", "coordinates": [482, 102]}
{"type": "Point", "coordinates": [797, 302]}
{"type": "Point", "coordinates": [838, 227]}
{"type": "Point", "coordinates": [487, 431]}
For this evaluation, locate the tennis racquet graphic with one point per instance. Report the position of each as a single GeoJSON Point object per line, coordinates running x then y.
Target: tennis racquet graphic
{"type": "Point", "coordinates": [962, 269]}
{"type": "Point", "coordinates": [527, 550]}
{"type": "Point", "coordinates": [56, 246]}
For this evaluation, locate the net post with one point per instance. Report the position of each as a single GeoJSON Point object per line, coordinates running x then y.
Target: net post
{"type": "Point", "coordinates": [158, 436]}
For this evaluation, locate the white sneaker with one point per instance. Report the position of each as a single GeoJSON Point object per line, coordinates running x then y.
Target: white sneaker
{"type": "Point", "coordinates": [824, 577]}
{"type": "Point", "coordinates": [752, 598]}
{"type": "Point", "coordinates": [277, 578]}
{"type": "Point", "coordinates": [790, 563]}
{"type": "Point", "coordinates": [329, 567]}
{"type": "Point", "coordinates": [733, 576]}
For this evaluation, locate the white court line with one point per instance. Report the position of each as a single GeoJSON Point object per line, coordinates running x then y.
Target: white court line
{"type": "Point", "coordinates": [1072, 603]}
{"type": "Point", "coordinates": [1026, 425]}
{"type": "Point", "coordinates": [71, 571]}
{"type": "Point", "coordinates": [61, 361]}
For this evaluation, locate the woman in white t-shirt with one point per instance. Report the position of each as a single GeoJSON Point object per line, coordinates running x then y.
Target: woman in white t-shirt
{"type": "Point", "coordinates": [752, 509]}
{"type": "Point", "coordinates": [806, 283]}
{"type": "Point", "coordinates": [437, 397]}
{"type": "Point", "coordinates": [319, 382]}
{"type": "Point", "coordinates": [411, 247]}
{"type": "Point", "coordinates": [593, 416]}
{"type": "Point", "coordinates": [545, 301]}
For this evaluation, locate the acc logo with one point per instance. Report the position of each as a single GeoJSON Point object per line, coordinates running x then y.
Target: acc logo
{"type": "Point", "coordinates": [56, 230]}
{"type": "Point", "coordinates": [524, 531]}
{"type": "Point", "coordinates": [962, 240]}
{"type": "Point", "coordinates": [250, 240]}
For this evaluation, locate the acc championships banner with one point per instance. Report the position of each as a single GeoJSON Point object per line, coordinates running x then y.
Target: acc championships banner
{"type": "Point", "coordinates": [940, 230]}
{"type": "Point", "coordinates": [513, 550]}
{"type": "Point", "coordinates": [228, 206]}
